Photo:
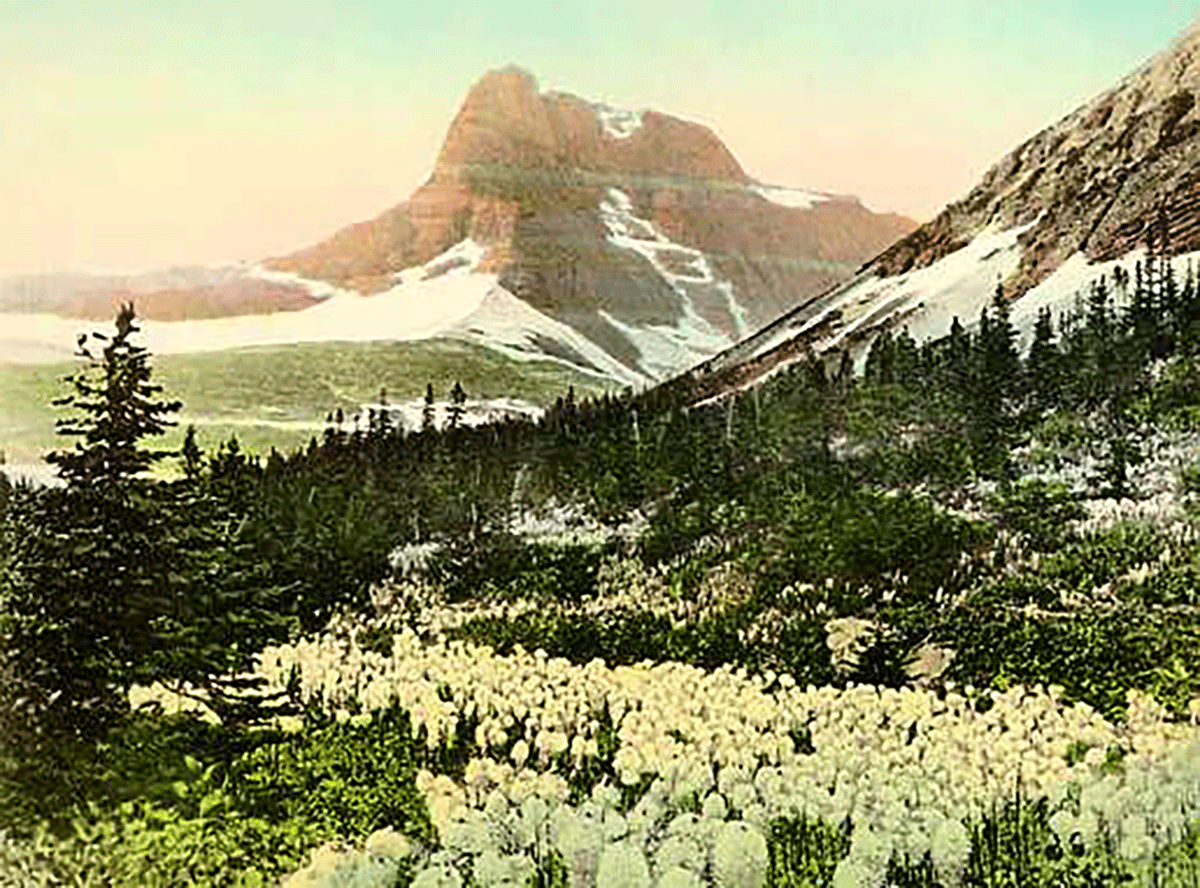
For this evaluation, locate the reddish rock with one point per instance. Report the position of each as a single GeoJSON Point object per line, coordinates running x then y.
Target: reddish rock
{"type": "Point", "coordinates": [524, 173]}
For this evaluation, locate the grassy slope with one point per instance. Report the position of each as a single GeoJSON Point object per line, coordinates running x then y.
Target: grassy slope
{"type": "Point", "coordinates": [297, 385]}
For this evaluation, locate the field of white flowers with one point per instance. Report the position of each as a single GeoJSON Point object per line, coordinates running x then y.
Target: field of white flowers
{"type": "Point", "coordinates": [661, 774]}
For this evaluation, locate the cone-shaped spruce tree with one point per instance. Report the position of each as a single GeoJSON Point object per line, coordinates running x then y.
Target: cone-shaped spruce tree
{"type": "Point", "coordinates": [117, 408]}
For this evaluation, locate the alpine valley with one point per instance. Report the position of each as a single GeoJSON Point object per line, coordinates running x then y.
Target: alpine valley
{"type": "Point", "coordinates": [557, 242]}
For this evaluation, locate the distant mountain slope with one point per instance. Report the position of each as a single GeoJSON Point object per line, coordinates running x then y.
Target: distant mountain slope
{"type": "Point", "coordinates": [1064, 206]}
{"type": "Point", "coordinates": [638, 230]}
{"type": "Point", "coordinates": [626, 245]}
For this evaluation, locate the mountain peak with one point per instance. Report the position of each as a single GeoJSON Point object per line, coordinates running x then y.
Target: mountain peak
{"type": "Point", "coordinates": [638, 230]}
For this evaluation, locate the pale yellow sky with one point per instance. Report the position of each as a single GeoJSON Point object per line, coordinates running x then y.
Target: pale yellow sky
{"type": "Point", "coordinates": [139, 134]}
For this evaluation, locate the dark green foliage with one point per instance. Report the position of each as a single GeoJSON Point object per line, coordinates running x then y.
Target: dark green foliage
{"type": "Point", "coordinates": [121, 587]}
{"type": "Point", "coordinates": [503, 567]}
{"type": "Point", "coordinates": [116, 399]}
{"type": "Point", "coordinates": [1015, 846]}
{"type": "Point", "coordinates": [178, 803]}
{"type": "Point", "coordinates": [1039, 510]}
{"type": "Point", "coordinates": [458, 402]}
{"type": "Point", "coordinates": [427, 410]}
{"type": "Point", "coordinates": [864, 538]}
{"type": "Point", "coordinates": [804, 852]}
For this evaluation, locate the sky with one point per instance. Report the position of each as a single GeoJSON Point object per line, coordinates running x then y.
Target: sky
{"type": "Point", "coordinates": [146, 133]}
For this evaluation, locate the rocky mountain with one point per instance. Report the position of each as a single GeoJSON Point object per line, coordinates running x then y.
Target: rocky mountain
{"type": "Point", "coordinates": [1061, 208]}
{"type": "Point", "coordinates": [626, 245]}
{"type": "Point", "coordinates": [637, 230]}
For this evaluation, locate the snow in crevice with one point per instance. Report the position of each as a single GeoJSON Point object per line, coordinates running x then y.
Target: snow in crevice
{"type": "Point", "coordinates": [463, 257]}
{"type": "Point", "coordinates": [618, 123]}
{"type": "Point", "coordinates": [741, 320]}
{"type": "Point", "coordinates": [668, 349]}
{"type": "Point", "coordinates": [796, 198]}
{"type": "Point", "coordinates": [314, 288]}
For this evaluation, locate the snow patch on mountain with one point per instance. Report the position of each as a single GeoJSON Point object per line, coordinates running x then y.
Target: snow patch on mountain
{"type": "Point", "coordinates": [662, 349]}
{"type": "Point", "coordinates": [960, 284]}
{"type": "Point", "coordinates": [513, 327]}
{"type": "Point", "coordinates": [413, 310]}
{"type": "Point", "coordinates": [463, 257]}
{"type": "Point", "coordinates": [316, 289]}
{"type": "Point", "coordinates": [796, 198]}
{"type": "Point", "coordinates": [1071, 281]}
{"type": "Point", "coordinates": [665, 348]}
{"type": "Point", "coordinates": [618, 123]}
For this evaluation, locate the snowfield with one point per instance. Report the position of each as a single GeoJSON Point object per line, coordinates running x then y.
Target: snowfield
{"type": "Point", "coordinates": [446, 296]}
{"type": "Point", "coordinates": [796, 198]}
{"type": "Point", "coordinates": [618, 123]}
{"type": "Point", "coordinates": [666, 350]}
{"type": "Point", "coordinates": [927, 300]}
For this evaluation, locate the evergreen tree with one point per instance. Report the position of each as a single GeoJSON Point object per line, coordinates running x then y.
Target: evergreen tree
{"type": "Point", "coordinates": [427, 410]}
{"type": "Point", "coordinates": [1043, 371]}
{"type": "Point", "coordinates": [192, 455]}
{"type": "Point", "coordinates": [997, 376]}
{"type": "Point", "coordinates": [845, 372]}
{"type": "Point", "coordinates": [906, 360]}
{"type": "Point", "coordinates": [880, 360]}
{"type": "Point", "coordinates": [959, 358]}
{"type": "Point", "coordinates": [119, 411]}
{"type": "Point", "coordinates": [458, 406]}
{"type": "Point", "coordinates": [384, 424]}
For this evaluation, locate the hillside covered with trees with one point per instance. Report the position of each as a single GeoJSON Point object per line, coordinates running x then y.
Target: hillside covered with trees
{"type": "Point", "coordinates": [641, 641]}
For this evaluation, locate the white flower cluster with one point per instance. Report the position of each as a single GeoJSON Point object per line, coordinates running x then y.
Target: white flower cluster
{"type": "Point", "coordinates": [157, 695]}
{"type": "Point", "coordinates": [1147, 805]}
{"type": "Point", "coordinates": [1163, 510]}
{"type": "Point", "coordinates": [623, 584]}
{"type": "Point", "coordinates": [501, 822]}
{"type": "Point", "coordinates": [848, 638]}
{"type": "Point", "coordinates": [334, 865]}
{"type": "Point", "coordinates": [570, 524]}
{"type": "Point", "coordinates": [501, 838]}
{"type": "Point", "coordinates": [1161, 455]}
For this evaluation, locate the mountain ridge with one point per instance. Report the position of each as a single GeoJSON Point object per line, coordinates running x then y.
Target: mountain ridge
{"type": "Point", "coordinates": [637, 240]}
{"type": "Point", "coordinates": [1065, 205]}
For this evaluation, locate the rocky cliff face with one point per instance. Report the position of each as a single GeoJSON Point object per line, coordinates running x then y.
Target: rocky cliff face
{"type": "Point", "coordinates": [606, 219]}
{"type": "Point", "coordinates": [628, 244]}
{"type": "Point", "coordinates": [1043, 221]}
{"type": "Point", "coordinates": [1090, 183]}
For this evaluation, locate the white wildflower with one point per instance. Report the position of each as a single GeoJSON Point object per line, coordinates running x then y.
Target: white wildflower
{"type": "Point", "coordinates": [623, 865]}
{"type": "Point", "coordinates": [739, 856]}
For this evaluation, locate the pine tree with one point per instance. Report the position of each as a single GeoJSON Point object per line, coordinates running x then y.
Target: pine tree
{"type": "Point", "coordinates": [845, 372]}
{"type": "Point", "coordinates": [384, 424]}
{"type": "Point", "coordinates": [458, 406]}
{"type": "Point", "coordinates": [427, 410]}
{"type": "Point", "coordinates": [959, 358]}
{"type": "Point", "coordinates": [192, 455]}
{"type": "Point", "coordinates": [997, 376]}
{"type": "Point", "coordinates": [1043, 372]}
{"type": "Point", "coordinates": [119, 411]}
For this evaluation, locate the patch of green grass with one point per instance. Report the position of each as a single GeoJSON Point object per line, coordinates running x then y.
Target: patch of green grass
{"type": "Point", "coordinates": [224, 393]}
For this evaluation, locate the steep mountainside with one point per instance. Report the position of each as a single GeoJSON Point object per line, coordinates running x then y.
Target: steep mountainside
{"type": "Point", "coordinates": [627, 245]}
{"type": "Point", "coordinates": [639, 230]}
{"type": "Point", "coordinates": [1056, 211]}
